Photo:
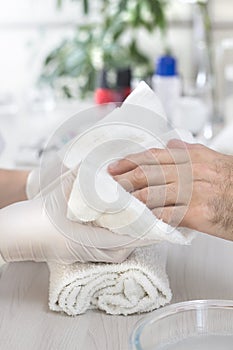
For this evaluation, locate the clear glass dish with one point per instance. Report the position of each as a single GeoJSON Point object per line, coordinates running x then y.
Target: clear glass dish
{"type": "Point", "coordinates": [191, 325]}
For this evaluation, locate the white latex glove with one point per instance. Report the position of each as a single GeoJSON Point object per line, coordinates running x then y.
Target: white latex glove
{"type": "Point", "coordinates": [38, 230]}
{"type": "Point", "coordinates": [41, 177]}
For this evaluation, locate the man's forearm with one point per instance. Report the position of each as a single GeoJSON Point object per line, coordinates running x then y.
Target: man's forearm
{"type": "Point", "coordinates": [12, 186]}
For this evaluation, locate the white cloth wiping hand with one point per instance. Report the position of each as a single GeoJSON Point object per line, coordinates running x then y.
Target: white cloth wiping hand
{"type": "Point", "coordinates": [96, 197]}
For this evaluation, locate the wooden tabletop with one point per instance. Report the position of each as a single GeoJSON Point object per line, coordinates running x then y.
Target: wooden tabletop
{"type": "Point", "coordinates": [201, 271]}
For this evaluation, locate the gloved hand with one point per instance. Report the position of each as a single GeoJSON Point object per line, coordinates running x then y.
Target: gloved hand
{"type": "Point", "coordinates": [40, 177]}
{"type": "Point", "coordinates": [38, 230]}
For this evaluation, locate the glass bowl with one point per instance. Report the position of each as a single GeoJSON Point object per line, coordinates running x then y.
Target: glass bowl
{"type": "Point", "coordinates": [191, 325]}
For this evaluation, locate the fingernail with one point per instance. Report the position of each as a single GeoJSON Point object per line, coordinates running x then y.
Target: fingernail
{"type": "Point", "coordinates": [173, 143]}
{"type": "Point", "coordinates": [113, 166]}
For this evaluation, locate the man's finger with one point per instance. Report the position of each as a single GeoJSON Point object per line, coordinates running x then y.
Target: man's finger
{"type": "Point", "coordinates": [176, 143]}
{"type": "Point", "coordinates": [152, 156]}
{"type": "Point", "coordinates": [148, 175]}
{"type": "Point", "coordinates": [161, 196]}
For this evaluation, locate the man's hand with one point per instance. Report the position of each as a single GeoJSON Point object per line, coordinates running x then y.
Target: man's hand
{"type": "Point", "coordinates": [185, 185]}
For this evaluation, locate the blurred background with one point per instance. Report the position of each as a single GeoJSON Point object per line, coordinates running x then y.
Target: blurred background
{"type": "Point", "coordinates": [60, 56]}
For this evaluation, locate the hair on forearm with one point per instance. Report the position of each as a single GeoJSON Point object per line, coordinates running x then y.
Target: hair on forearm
{"type": "Point", "coordinates": [221, 204]}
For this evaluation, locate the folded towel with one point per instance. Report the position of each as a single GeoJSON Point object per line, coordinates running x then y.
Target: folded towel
{"type": "Point", "coordinates": [137, 285]}
{"type": "Point", "coordinates": [101, 200]}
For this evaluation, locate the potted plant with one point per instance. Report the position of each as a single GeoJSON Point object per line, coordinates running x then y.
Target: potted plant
{"type": "Point", "coordinates": [110, 42]}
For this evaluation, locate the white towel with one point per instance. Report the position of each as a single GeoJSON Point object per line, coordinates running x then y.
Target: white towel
{"type": "Point", "coordinates": [137, 285]}
{"type": "Point", "coordinates": [129, 129]}
{"type": "Point", "coordinates": [223, 141]}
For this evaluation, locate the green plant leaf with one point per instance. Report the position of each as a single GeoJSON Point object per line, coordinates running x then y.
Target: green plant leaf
{"type": "Point", "coordinates": [86, 6]}
{"type": "Point", "coordinates": [59, 4]}
{"type": "Point", "coordinates": [103, 43]}
{"type": "Point", "coordinates": [122, 5]}
{"type": "Point", "coordinates": [66, 91]}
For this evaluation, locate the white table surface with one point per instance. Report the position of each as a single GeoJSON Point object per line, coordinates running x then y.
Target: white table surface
{"type": "Point", "coordinates": [201, 271]}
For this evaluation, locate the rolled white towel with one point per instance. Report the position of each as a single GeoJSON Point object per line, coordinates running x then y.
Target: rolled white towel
{"type": "Point", "coordinates": [139, 284]}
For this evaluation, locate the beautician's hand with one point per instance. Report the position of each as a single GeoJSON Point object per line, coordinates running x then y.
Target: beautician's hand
{"type": "Point", "coordinates": [186, 185]}
{"type": "Point", "coordinates": [38, 230]}
{"type": "Point", "coordinates": [12, 186]}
